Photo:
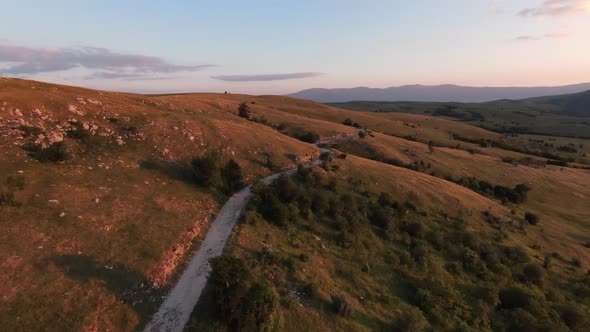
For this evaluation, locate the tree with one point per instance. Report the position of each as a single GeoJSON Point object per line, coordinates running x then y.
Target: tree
{"type": "Point", "coordinates": [231, 175]}
{"type": "Point", "coordinates": [229, 280]}
{"type": "Point", "coordinates": [260, 309]}
{"type": "Point", "coordinates": [206, 170]}
{"type": "Point", "coordinates": [244, 111]}
{"type": "Point", "coordinates": [431, 147]}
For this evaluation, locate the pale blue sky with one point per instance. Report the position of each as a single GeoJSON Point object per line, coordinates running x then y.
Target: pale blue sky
{"type": "Point", "coordinates": [284, 46]}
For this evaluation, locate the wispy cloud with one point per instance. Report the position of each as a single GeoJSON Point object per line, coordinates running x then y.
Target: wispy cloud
{"type": "Point", "coordinates": [266, 77]}
{"type": "Point", "coordinates": [555, 35]}
{"type": "Point", "coordinates": [557, 8]}
{"type": "Point", "coordinates": [22, 60]}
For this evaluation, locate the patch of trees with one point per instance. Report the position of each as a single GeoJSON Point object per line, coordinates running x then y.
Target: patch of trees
{"type": "Point", "coordinates": [483, 142]}
{"type": "Point", "coordinates": [515, 195]}
{"type": "Point", "coordinates": [308, 137]}
{"type": "Point", "coordinates": [349, 122]}
{"type": "Point", "coordinates": [209, 173]}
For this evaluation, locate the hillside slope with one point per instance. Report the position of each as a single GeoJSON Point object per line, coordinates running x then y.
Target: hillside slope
{"type": "Point", "coordinates": [575, 104]}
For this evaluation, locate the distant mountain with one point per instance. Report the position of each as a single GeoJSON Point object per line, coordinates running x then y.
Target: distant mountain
{"type": "Point", "coordinates": [437, 93]}
{"type": "Point", "coordinates": [574, 104]}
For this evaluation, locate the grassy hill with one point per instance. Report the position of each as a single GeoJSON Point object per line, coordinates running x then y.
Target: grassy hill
{"type": "Point", "coordinates": [100, 210]}
{"type": "Point", "coordinates": [574, 104]}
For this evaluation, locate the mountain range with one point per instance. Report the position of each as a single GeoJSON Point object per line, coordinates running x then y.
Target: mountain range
{"type": "Point", "coordinates": [436, 93]}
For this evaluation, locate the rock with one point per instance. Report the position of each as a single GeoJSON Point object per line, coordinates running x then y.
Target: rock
{"type": "Point", "coordinates": [96, 200]}
{"type": "Point", "coordinates": [63, 214]}
{"type": "Point", "coordinates": [53, 201]}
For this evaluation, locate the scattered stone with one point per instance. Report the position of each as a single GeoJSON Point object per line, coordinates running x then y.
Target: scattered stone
{"type": "Point", "coordinates": [96, 200]}
{"type": "Point", "coordinates": [63, 214]}
{"type": "Point", "coordinates": [53, 201]}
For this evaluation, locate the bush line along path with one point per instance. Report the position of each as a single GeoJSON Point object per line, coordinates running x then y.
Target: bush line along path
{"type": "Point", "coordinates": [176, 309]}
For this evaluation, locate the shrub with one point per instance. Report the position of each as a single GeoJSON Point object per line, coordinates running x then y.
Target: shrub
{"type": "Point", "coordinates": [6, 197]}
{"type": "Point", "coordinates": [341, 307]}
{"type": "Point", "coordinates": [229, 280]}
{"type": "Point", "coordinates": [514, 297]}
{"type": "Point", "coordinates": [410, 320]}
{"type": "Point", "coordinates": [231, 175]}
{"type": "Point", "coordinates": [347, 122]}
{"type": "Point", "coordinates": [576, 262]}
{"type": "Point", "coordinates": [534, 274]}
{"type": "Point", "coordinates": [244, 111]}
{"type": "Point", "coordinates": [56, 152]}
{"type": "Point", "coordinates": [259, 309]}
{"type": "Point", "coordinates": [16, 181]}
{"type": "Point", "coordinates": [531, 218]}
{"type": "Point", "coordinates": [575, 316]}
{"type": "Point", "coordinates": [362, 134]}
{"type": "Point", "coordinates": [309, 137]}
{"type": "Point", "coordinates": [206, 170]}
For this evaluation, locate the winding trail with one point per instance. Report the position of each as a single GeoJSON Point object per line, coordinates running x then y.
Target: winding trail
{"type": "Point", "coordinates": [175, 312]}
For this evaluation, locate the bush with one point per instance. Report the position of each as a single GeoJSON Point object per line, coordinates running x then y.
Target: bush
{"type": "Point", "coordinates": [410, 320]}
{"type": "Point", "coordinates": [56, 152]}
{"type": "Point", "coordinates": [229, 280]}
{"type": "Point", "coordinates": [514, 297]}
{"type": "Point", "coordinates": [259, 309]}
{"type": "Point", "coordinates": [347, 122]}
{"type": "Point", "coordinates": [341, 307]}
{"type": "Point", "coordinates": [531, 218]}
{"type": "Point", "coordinates": [244, 111]}
{"type": "Point", "coordinates": [206, 170]}
{"type": "Point", "coordinates": [309, 137]}
{"type": "Point", "coordinates": [534, 274]}
{"type": "Point", "coordinates": [575, 316]}
{"type": "Point", "coordinates": [6, 197]}
{"type": "Point", "coordinates": [231, 175]}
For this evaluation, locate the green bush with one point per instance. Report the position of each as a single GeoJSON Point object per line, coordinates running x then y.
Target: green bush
{"type": "Point", "coordinates": [575, 316]}
{"type": "Point", "coordinates": [244, 111]}
{"type": "Point", "coordinates": [6, 197]}
{"type": "Point", "coordinates": [206, 170]}
{"type": "Point", "coordinates": [259, 309]}
{"type": "Point", "coordinates": [231, 175]}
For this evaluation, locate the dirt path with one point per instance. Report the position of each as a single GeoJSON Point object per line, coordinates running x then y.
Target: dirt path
{"type": "Point", "coordinates": [175, 312]}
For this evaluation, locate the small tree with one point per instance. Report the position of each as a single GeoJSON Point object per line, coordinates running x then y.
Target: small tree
{"type": "Point", "coordinates": [206, 170]}
{"type": "Point", "coordinates": [260, 309]}
{"type": "Point", "coordinates": [231, 175]}
{"type": "Point", "coordinates": [244, 111]}
{"type": "Point", "coordinates": [431, 147]}
{"type": "Point", "coordinates": [362, 134]}
{"type": "Point", "coordinates": [347, 122]}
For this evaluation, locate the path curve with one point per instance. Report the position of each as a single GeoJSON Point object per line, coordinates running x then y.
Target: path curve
{"type": "Point", "coordinates": [174, 313]}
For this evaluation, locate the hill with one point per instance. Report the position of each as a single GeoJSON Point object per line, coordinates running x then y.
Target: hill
{"type": "Point", "coordinates": [102, 206]}
{"type": "Point", "coordinates": [577, 104]}
{"type": "Point", "coordinates": [437, 93]}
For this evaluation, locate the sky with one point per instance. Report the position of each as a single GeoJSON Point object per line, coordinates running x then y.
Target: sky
{"type": "Point", "coordinates": [279, 47]}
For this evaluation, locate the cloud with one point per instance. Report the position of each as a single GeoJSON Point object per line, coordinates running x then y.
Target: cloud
{"type": "Point", "coordinates": [28, 61]}
{"type": "Point", "coordinates": [555, 35]}
{"type": "Point", "coordinates": [266, 77]}
{"type": "Point", "coordinates": [557, 8]}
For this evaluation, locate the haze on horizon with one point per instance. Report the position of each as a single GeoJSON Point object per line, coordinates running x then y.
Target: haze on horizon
{"type": "Point", "coordinates": [273, 47]}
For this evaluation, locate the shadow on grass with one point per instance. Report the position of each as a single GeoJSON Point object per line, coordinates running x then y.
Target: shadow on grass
{"type": "Point", "coordinates": [128, 286]}
{"type": "Point", "coordinates": [172, 169]}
